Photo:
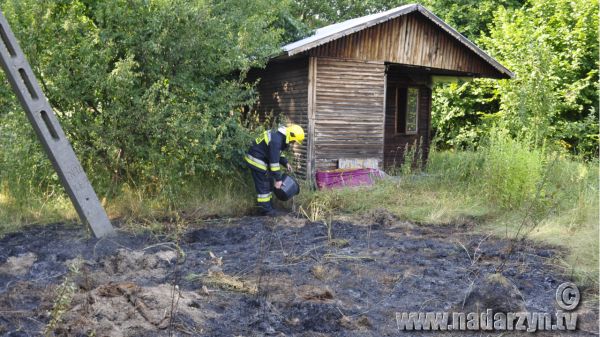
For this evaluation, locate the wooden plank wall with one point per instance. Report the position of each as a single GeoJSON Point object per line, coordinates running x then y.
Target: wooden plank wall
{"type": "Point", "coordinates": [348, 111]}
{"type": "Point", "coordinates": [283, 89]}
{"type": "Point", "coordinates": [409, 39]}
{"type": "Point", "coordinates": [396, 143]}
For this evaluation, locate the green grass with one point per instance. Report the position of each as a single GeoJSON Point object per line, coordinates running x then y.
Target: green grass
{"type": "Point", "coordinates": [137, 208]}
{"type": "Point", "coordinates": [16, 210]}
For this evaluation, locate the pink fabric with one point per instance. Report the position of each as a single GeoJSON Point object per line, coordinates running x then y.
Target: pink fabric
{"type": "Point", "coordinates": [346, 177]}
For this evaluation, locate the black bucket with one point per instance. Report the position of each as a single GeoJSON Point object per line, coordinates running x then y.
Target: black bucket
{"type": "Point", "coordinates": [289, 188]}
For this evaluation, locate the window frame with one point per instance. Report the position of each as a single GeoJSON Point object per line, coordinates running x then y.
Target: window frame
{"type": "Point", "coordinates": [397, 110]}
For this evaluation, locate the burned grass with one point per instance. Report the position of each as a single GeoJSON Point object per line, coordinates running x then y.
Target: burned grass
{"type": "Point", "coordinates": [257, 277]}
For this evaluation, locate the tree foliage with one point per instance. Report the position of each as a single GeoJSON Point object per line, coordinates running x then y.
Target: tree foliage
{"type": "Point", "coordinates": [317, 13]}
{"type": "Point", "coordinates": [552, 47]}
{"type": "Point", "coordinates": [471, 18]}
{"type": "Point", "coordinates": [149, 92]}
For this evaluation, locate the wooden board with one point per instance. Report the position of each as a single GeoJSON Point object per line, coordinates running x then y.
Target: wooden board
{"type": "Point", "coordinates": [349, 111]}
{"type": "Point", "coordinates": [411, 39]}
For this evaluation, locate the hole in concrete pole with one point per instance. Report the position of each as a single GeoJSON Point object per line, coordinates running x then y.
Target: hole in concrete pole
{"type": "Point", "coordinates": [6, 41]}
{"type": "Point", "coordinates": [28, 83]}
{"type": "Point", "coordinates": [49, 125]}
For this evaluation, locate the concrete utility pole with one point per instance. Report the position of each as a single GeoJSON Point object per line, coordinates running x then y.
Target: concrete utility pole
{"type": "Point", "coordinates": [50, 133]}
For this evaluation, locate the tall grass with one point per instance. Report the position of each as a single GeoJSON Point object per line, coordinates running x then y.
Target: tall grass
{"type": "Point", "coordinates": [199, 199]}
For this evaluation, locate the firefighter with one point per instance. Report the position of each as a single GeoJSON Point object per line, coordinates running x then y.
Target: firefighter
{"type": "Point", "coordinates": [266, 157]}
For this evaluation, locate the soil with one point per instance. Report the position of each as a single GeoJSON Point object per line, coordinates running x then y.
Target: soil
{"type": "Point", "coordinates": [258, 276]}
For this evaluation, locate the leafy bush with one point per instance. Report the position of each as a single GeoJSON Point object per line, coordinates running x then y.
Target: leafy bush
{"type": "Point", "coordinates": [150, 93]}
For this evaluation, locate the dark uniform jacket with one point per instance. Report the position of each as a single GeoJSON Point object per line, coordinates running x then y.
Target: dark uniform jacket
{"type": "Point", "coordinates": [266, 153]}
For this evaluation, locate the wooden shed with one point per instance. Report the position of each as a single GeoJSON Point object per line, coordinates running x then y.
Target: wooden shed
{"type": "Point", "coordinates": [362, 88]}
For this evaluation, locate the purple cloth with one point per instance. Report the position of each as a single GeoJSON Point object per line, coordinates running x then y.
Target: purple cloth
{"type": "Point", "coordinates": [347, 177]}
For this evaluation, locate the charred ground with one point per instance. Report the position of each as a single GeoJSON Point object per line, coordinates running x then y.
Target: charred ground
{"type": "Point", "coordinates": [256, 276]}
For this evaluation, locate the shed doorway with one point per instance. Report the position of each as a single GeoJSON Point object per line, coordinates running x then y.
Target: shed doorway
{"type": "Point", "coordinates": [407, 115]}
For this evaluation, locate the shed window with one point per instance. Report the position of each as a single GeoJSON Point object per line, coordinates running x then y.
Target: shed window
{"type": "Point", "coordinates": [407, 108]}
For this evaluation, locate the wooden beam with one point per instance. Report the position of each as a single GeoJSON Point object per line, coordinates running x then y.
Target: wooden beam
{"type": "Point", "coordinates": [312, 95]}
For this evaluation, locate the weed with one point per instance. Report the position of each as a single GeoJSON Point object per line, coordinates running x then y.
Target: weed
{"type": "Point", "coordinates": [64, 295]}
{"type": "Point", "coordinates": [321, 209]}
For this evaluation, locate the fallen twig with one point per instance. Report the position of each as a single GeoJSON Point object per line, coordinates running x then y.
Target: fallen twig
{"type": "Point", "coordinates": [347, 257]}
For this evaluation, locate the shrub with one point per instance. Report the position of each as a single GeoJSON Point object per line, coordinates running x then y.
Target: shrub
{"type": "Point", "coordinates": [511, 170]}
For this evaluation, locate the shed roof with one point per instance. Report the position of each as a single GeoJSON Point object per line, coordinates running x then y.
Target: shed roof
{"type": "Point", "coordinates": [338, 30]}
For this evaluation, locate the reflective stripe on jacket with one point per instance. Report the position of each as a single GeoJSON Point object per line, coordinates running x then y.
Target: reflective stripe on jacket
{"type": "Point", "coordinates": [266, 152]}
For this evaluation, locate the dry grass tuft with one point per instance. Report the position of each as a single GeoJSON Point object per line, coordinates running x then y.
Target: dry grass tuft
{"type": "Point", "coordinates": [339, 243]}
{"type": "Point", "coordinates": [227, 282]}
{"type": "Point", "coordinates": [314, 293]}
{"type": "Point", "coordinates": [319, 271]}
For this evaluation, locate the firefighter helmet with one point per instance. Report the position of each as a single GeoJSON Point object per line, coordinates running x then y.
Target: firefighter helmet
{"type": "Point", "coordinates": [294, 132]}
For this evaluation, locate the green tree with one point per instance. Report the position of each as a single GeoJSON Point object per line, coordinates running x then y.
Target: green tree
{"type": "Point", "coordinates": [318, 13]}
{"type": "Point", "coordinates": [148, 91]}
{"type": "Point", "coordinates": [552, 47]}
{"type": "Point", "coordinates": [460, 112]}
{"type": "Point", "coordinates": [471, 18]}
